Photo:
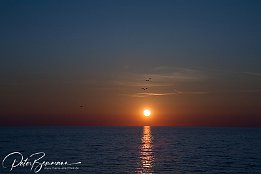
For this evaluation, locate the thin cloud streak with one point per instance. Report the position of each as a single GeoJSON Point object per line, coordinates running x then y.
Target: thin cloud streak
{"type": "Point", "coordinates": [143, 95]}
{"type": "Point", "coordinates": [177, 76]}
{"type": "Point", "coordinates": [139, 84]}
{"type": "Point", "coordinates": [253, 73]}
{"type": "Point", "coordinates": [158, 94]}
{"type": "Point", "coordinates": [157, 79]}
{"type": "Point", "coordinates": [195, 92]}
{"type": "Point", "coordinates": [250, 91]}
{"type": "Point", "coordinates": [140, 95]}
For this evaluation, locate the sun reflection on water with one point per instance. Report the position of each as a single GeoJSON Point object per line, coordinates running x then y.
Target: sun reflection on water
{"type": "Point", "coordinates": [146, 152]}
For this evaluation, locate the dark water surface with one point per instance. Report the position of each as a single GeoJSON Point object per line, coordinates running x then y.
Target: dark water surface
{"type": "Point", "coordinates": [133, 149]}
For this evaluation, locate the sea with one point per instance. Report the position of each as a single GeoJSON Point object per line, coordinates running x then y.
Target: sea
{"type": "Point", "coordinates": [145, 149]}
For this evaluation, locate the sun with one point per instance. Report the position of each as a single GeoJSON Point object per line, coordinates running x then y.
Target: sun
{"type": "Point", "coordinates": [146, 112]}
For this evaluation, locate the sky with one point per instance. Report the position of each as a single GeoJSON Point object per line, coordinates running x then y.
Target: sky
{"type": "Point", "coordinates": [203, 58]}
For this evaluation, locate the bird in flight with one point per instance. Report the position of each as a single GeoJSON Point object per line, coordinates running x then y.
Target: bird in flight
{"type": "Point", "coordinates": [82, 106]}
{"type": "Point", "coordinates": [147, 80]}
{"type": "Point", "coordinates": [144, 88]}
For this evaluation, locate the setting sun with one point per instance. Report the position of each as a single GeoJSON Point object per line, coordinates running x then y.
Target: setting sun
{"type": "Point", "coordinates": [146, 112]}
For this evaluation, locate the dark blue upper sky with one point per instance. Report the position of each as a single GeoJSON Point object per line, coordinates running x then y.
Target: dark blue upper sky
{"type": "Point", "coordinates": [46, 45]}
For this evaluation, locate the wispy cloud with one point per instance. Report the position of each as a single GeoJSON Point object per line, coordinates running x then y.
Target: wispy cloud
{"type": "Point", "coordinates": [253, 73]}
{"type": "Point", "coordinates": [139, 83]}
{"type": "Point", "coordinates": [140, 95]}
{"type": "Point", "coordinates": [194, 92]}
{"type": "Point", "coordinates": [160, 83]}
{"type": "Point", "coordinates": [179, 75]}
{"type": "Point", "coordinates": [167, 81]}
{"type": "Point", "coordinates": [158, 94]}
{"type": "Point", "coordinates": [250, 91]}
{"type": "Point", "coordinates": [160, 68]}
{"type": "Point", "coordinates": [149, 94]}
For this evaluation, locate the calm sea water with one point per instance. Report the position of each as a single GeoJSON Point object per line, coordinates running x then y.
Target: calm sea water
{"type": "Point", "coordinates": [133, 149]}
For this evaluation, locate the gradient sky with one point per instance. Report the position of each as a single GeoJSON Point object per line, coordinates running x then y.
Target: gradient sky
{"type": "Point", "coordinates": [204, 58]}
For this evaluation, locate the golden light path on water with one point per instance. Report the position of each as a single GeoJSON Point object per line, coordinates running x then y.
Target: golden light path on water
{"type": "Point", "coordinates": [146, 152]}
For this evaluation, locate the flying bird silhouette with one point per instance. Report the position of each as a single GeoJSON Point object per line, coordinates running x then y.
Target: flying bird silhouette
{"type": "Point", "coordinates": [147, 80]}
{"type": "Point", "coordinates": [144, 88]}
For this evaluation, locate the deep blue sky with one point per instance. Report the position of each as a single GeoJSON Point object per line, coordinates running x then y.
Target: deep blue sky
{"type": "Point", "coordinates": [56, 55]}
